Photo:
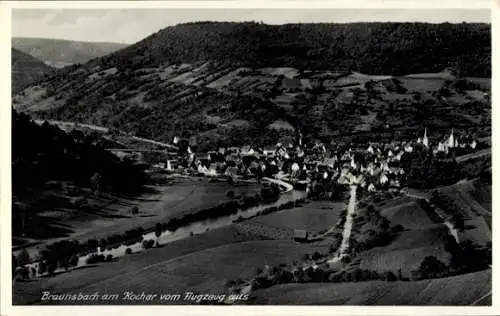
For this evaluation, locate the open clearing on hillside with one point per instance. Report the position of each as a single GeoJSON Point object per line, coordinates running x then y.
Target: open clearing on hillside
{"type": "Point", "coordinates": [282, 125]}
{"type": "Point", "coordinates": [421, 84]}
{"type": "Point", "coordinates": [288, 72]}
{"type": "Point", "coordinates": [457, 290]}
{"type": "Point", "coordinates": [358, 78]}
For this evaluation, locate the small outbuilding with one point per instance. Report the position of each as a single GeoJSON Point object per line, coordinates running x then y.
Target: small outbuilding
{"type": "Point", "coordinates": [300, 235]}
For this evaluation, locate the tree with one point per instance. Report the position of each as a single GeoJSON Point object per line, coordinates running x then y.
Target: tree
{"type": "Point", "coordinates": [23, 258]}
{"type": "Point", "coordinates": [135, 210]}
{"type": "Point", "coordinates": [95, 182]}
{"type": "Point", "coordinates": [158, 231]}
{"type": "Point", "coordinates": [230, 194]}
{"type": "Point", "coordinates": [390, 276]}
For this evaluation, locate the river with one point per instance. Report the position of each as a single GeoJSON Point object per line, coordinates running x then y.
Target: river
{"type": "Point", "coordinates": [197, 227]}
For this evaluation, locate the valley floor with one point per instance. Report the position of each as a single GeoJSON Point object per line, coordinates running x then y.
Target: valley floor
{"type": "Point", "coordinates": [113, 214]}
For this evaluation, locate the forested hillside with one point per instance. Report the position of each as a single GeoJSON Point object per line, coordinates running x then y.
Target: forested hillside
{"type": "Point", "coordinates": [374, 48]}
{"type": "Point", "coordinates": [26, 69]}
{"type": "Point", "coordinates": [50, 165]}
{"type": "Point", "coordinates": [239, 83]}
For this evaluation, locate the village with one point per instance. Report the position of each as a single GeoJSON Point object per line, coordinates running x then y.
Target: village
{"type": "Point", "coordinates": [373, 167]}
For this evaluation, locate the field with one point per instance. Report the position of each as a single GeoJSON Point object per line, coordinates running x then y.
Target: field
{"type": "Point", "coordinates": [407, 212]}
{"type": "Point", "coordinates": [315, 217]}
{"type": "Point", "coordinates": [467, 289]}
{"type": "Point", "coordinates": [111, 215]}
{"type": "Point", "coordinates": [473, 201]}
{"type": "Point", "coordinates": [203, 263]}
{"type": "Point", "coordinates": [421, 84]}
{"type": "Point", "coordinates": [407, 251]}
{"type": "Point", "coordinates": [29, 292]}
{"type": "Point", "coordinates": [422, 236]}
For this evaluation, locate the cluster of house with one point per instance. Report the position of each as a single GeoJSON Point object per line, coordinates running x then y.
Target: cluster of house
{"type": "Point", "coordinates": [375, 167]}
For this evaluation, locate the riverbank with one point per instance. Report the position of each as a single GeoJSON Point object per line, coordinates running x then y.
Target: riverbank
{"type": "Point", "coordinates": [112, 215]}
{"type": "Point", "coordinates": [183, 227]}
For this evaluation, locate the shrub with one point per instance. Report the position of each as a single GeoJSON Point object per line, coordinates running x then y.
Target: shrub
{"type": "Point", "coordinates": [149, 243]}
{"type": "Point", "coordinates": [316, 256]}
{"type": "Point", "coordinates": [390, 276]}
{"type": "Point", "coordinates": [128, 251]}
{"type": "Point", "coordinates": [110, 257]}
{"type": "Point", "coordinates": [23, 257]}
{"type": "Point", "coordinates": [95, 259]}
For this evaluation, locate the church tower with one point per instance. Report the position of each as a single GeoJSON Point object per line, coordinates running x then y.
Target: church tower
{"type": "Point", "coordinates": [425, 141]}
{"type": "Point", "coordinates": [451, 140]}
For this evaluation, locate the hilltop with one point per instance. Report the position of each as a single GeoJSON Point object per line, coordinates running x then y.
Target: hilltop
{"type": "Point", "coordinates": [26, 69]}
{"type": "Point", "coordinates": [374, 48]}
{"type": "Point", "coordinates": [59, 53]}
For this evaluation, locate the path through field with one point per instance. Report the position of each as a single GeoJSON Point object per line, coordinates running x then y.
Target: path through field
{"type": "Point", "coordinates": [346, 234]}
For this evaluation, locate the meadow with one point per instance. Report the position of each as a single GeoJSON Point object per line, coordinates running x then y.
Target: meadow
{"type": "Point", "coordinates": [467, 289]}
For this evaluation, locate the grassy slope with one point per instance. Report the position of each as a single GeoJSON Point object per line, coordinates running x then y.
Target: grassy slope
{"type": "Point", "coordinates": [422, 237]}
{"type": "Point", "coordinates": [123, 269]}
{"type": "Point", "coordinates": [458, 290]}
{"type": "Point", "coordinates": [203, 263]}
{"type": "Point", "coordinates": [208, 271]}
{"type": "Point", "coordinates": [473, 200]}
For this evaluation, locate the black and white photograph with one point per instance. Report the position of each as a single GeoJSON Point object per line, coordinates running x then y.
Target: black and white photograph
{"type": "Point", "coordinates": [251, 156]}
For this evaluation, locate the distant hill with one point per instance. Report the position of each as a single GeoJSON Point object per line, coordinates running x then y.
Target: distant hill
{"type": "Point", "coordinates": [26, 69]}
{"type": "Point", "coordinates": [326, 80]}
{"type": "Point", "coordinates": [60, 53]}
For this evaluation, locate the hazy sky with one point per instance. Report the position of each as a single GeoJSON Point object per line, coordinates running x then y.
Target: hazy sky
{"type": "Point", "coordinates": [132, 25]}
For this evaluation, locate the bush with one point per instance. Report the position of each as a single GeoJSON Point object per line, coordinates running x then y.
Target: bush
{"type": "Point", "coordinates": [149, 243]}
{"type": "Point", "coordinates": [430, 267]}
{"type": "Point", "coordinates": [110, 257]}
{"type": "Point", "coordinates": [23, 258]}
{"type": "Point", "coordinates": [316, 256]}
{"type": "Point", "coordinates": [95, 259]}
{"type": "Point", "coordinates": [128, 251]}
